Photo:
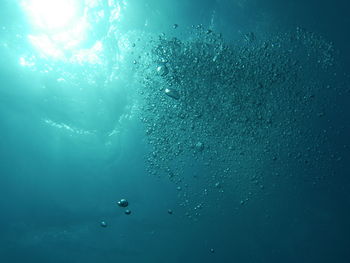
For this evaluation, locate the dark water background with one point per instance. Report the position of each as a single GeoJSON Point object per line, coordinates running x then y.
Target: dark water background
{"type": "Point", "coordinates": [57, 186]}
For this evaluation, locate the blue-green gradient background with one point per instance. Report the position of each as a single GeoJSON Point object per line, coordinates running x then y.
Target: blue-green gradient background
{"type": "Point", "coordinates": [71, 148]}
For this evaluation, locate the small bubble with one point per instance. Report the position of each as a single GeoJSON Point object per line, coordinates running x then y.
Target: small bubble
{"type": "Point", "coordinates": [199, 146]}
{"type": "Point", "coordinates": [172, 93]}
{"type": "Point", "coordinates": [123, 203]}
{"type": "Point", "coordinates": [127, 212]}
{"type": "Point", "coordinates": [162, 70]}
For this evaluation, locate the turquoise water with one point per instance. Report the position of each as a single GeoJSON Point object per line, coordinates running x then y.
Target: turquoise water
{"type": "Point", "coordinates": [224, 124]}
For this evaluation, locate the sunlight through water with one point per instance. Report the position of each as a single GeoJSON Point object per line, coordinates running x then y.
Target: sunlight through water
{"type": "Point", "coordinates": [69, 45]}
{"type": "Point", "coordinates": [60, 29]}
{"type": "Point", "coordinates": [51, 15]}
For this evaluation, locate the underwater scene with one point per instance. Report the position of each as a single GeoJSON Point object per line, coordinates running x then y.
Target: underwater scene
{"type": "Point", "coordinates": [149, 131]}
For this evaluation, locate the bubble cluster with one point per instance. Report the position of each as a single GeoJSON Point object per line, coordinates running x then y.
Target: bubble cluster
{"type": "Point", "coordinates": [235, 112]}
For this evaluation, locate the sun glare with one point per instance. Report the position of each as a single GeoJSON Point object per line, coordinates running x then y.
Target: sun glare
{"type": "Point", "coordinates": [60, 27]}
{"type": "Point", "coordinates": [51, 14]}
{"type": "Point", "coordinates": [57, 25]}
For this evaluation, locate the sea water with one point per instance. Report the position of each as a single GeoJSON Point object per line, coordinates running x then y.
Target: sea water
{"type": "Point", "coordinates": [174, 131]}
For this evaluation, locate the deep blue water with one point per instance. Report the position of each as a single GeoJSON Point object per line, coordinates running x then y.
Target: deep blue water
{"type": "Point", "coordinates": [225, 124]}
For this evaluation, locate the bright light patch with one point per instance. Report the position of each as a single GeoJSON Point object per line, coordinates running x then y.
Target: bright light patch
{"type": "Point", "coordinates": [59, 28]}
{"type": "Point", "coordinates": [46, 46]}
{"type": "Point", "coordinates": [26, 62]}
{"type": "Point", "coordinates": [89, 55]}
{"type": "Point", "coordinates": [51, 14]}
{"type": "Point", "coordinates": [66, 127]}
